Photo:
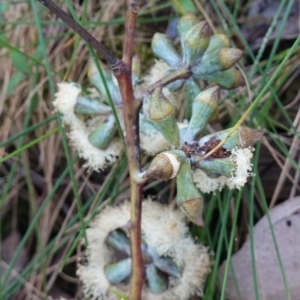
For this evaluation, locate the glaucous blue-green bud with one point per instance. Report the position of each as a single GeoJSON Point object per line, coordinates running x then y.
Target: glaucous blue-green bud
{"type": "Point", "coordinates": [228, 79]}
{"type": "Point", "coordinates": [157, 282]}
{"type": "Point", "coordinates": [195, 43]}
{"type": "Point", "coordinates": [165, 165]}
{"type": "Point", "coordinates": [188, 197]}
{"type": "Point", "coordinates": [161, 113]}
{"type": "Point", "coordinates": [217, 42]}
{"type": "Point", "coordinates": [217, 166]}
{"type": "Point", "coordinates": [162, 47]}
{"type": "Point", "coordinates": [214, 61]}
{"type": "Point", "coordinates": [184, 24]}
{"type": "Point", "coordinates": [242, 137]}
{"type": "Point", "coordinates": [165, 264]}
{"type": "Point", "coordinates": [103, 134]}
{"type": "Point", "coordinates": [118, 241]}
{"type": "Point", "coordinates": [204, 107]}
{"type": "Point", "coordinates": [119, 271]}
{"type": "Point", "coordinates": [95, 79]}
{"type": "Point", "coordinates": [228, 57]}
{"type": "Point", "coordinates": [91, 106]}
{"type": "Point", "coordinates": [192, 90]}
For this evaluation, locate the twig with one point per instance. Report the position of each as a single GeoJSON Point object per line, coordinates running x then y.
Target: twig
{"type": "Point", "coordinates": [130, 108]}
{"type": "Point", "coordinates": [176, 74]}
{"type": "Point", "coordinates": [105, 53]}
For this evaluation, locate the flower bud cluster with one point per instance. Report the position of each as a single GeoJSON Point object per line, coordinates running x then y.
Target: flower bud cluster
{"type": "Point", "coordinates": [175, 266]}
{"type": "Point", "coordinates": [179, 146]}
{"type": "Point", "coordinates": [208, 57]}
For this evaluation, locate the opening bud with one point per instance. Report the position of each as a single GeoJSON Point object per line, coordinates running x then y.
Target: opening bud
{"type": "Point", "coordinates": [165, 165]}
{"type": "Point", "coordinates": [188, 197]}
{"type": "Point", "coordinates": [242, 137]}
{"type": "Point", "coordinates": [162, 47]}
{"type": "Point", "coordinates": [195, 43]}
{"type": "Point", "coordinates": [205, 106]}
{"type": "Point", "coordinates": [103, 134]}
{"type": "Point", "coordinates": [162, 115]}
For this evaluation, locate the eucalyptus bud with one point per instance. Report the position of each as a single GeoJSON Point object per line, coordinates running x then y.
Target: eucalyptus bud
{"type": "Point", "coordinates": [222, 59]}
{"type": "Point", "coordinates": [102, 135]}
{"type": "Point", "coordinates": [162, 47]}
{"type": "Point", "coordinates": [242, 137]}
{"type": "Point", "coordinates": [216, 166]}
{"type": "Point", "coordinates": [167, 265]}
{"type": "Point", "coordinates": [165, 165]}
{"type": "Point", "coordinates": [228, 57]}
{"type": "Point", "coordinates": [188, 197]}
{"type": "Point", "coordinates": [217, 42]}
{"type": "Point", "coordinates": [90, 106]}
{"type": "Point", "coordinates": [118, 241]}
{"type": "Point", "coordinates": [228, 79]}
{"type": "Point", "coordinates": [215, 61]}
{"type": "Point", "coordinates": [195, 43]}
{"type": "Point", "coordinates": [118, 271]}
{"type": "Point", "coordinates": [158, 283]}
{"type": "Point", "coordinates": [162, 115]}
{"type": "Point", "coordinates": [192, 90]}
{"type": "Point", "coordinates": [112, 86]}
{"type": "Point", "coordinates": [184, 24]}
{"type": "Point", "coordinates": [204, 107]}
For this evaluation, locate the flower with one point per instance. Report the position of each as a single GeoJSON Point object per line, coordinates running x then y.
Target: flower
{"type": "Point", "coordinates": [241, 157]}
{"type": "Point", "coordinates": [164, 230]}
{"type": "Point", "coordinates": [96, 159]}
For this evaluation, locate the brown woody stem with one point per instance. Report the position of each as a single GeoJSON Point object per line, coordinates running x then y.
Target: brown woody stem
{"type": "Point", "coordinates": [180, 73]}
{"type": "Point", "coordinates": [131, 120]}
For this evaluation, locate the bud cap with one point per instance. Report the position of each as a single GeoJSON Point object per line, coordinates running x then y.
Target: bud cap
{"type": "Point", "coordinates": [165, 165]}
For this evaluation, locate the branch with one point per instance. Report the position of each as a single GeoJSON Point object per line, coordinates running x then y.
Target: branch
{"type": "Point", "coordinates": [131, 121]}
{"type": "Point", "coordinates": [105, 53]}
{"type": "Point", "coordinates": [180, 73]}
